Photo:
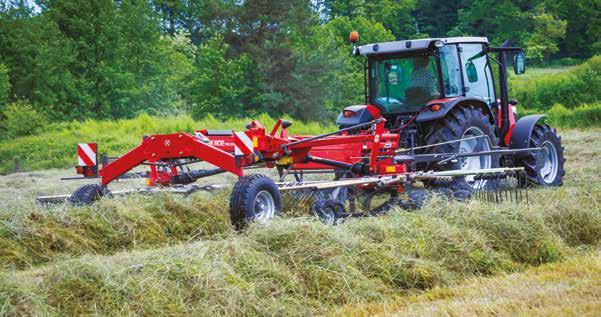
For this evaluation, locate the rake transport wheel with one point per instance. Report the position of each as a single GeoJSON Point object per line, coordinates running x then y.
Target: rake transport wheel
{"type": "Point", "coordinates": [254, 198]}
{"type": "Point", "coordinates": [463, 122]}
{"type": "Point", "coordinates": [550, 168]}
{"type": "Point", "coordinates": [328, 210]}
{"type": "Point", "coordinates": [88, 194]}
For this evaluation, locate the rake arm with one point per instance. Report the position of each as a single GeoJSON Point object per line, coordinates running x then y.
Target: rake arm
{"type": "Point", "coordinates": [170, 146]}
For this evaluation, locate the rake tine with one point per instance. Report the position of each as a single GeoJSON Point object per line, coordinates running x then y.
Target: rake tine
{"type": "Point", "coordinates": [510, 192]}
{"type": "Point", "coordinates": [506, 188]}
{"type": "Point", "coordinates": [498, 193]}
{"type": "Point", "coordinates": [526, 188]}
{"type": "Point", "coordinates": [497, 188]}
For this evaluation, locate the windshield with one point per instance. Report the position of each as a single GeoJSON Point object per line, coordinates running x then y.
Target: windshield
{"type": "Point", "coordinates": [404, 84]}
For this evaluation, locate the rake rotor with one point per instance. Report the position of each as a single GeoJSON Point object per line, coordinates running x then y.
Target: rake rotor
{"type": "Point", "coordinates": [502, 187]}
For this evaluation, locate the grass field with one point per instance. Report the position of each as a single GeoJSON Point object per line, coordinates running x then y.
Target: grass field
{"type": "Point", "coordinates": [170, 255]}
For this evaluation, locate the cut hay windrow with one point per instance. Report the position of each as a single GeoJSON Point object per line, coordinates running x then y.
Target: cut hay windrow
{"type": "Point", "coordinates": [303, 267]}
{"type": "Point", "coordinates": [138, 222]}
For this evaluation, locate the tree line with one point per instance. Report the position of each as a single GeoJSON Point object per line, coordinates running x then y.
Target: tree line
{"type": "Point", "coordinates": [108, 59]}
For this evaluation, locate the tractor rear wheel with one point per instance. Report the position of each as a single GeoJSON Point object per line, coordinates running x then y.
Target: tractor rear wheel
{"type": "Point", "coordinates": [254, 198]}
{"type": "Point", "coordinates": [548, 170]}
{"type": "Point", "coordinates": [463, 122]}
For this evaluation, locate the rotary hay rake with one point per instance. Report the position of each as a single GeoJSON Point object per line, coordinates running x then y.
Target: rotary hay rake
{"type": "Point", "coordinates": [371, 174]}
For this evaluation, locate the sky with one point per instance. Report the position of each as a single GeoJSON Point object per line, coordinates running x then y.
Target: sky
{"type": "Point", "coordinates": [31, 3]}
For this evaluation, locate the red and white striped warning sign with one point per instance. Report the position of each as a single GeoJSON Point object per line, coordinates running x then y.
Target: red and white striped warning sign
{"type": "Point", "coordinates": [242, 144]}
{"type": "Point", "coordinates": [86, 154]}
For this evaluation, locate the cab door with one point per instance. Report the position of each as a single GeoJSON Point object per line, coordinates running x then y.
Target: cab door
{"type": "Point", "coordinates": [480, 84]}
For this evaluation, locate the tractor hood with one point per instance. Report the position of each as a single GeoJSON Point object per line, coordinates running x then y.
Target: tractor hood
{"type": "Point", "coordinates": [414, 45]}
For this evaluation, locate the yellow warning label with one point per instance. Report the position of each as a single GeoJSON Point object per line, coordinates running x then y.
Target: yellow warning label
{"type": "Point", "coordinates": [390, 169]}
{"type": "Point", "coordinates": [255, 141]}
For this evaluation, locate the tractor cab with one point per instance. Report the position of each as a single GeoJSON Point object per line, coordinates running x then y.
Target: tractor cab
{"type": "Point", "coordinates": [428, 77]}
{"type": "Point", "coordinates": [404, 76]}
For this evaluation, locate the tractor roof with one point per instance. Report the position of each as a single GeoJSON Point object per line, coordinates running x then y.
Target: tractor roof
{"type": "Point", "coordinates": [414, 45]}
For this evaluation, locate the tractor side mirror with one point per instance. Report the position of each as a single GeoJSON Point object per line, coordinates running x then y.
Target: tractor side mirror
{"type": "Point", "coordinates": [519, 63]}
{"type": "Point", "coordinates": [471, 72]}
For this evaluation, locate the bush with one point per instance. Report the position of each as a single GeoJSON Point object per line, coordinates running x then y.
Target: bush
{"type": "Point", "coordinates": [21, 119]}
{"type": "Point", "coordinates": [574, 87]}
{"type": "Point", "coordinates": [566, 61]}
{"type": "Point", "coordinates": [580, 117]}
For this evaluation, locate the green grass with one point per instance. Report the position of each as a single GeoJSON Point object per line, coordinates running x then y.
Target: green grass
{"type": "Point", "coordinates": [55, 147]}
{"type": "Point", "coordinates": [156, 263]}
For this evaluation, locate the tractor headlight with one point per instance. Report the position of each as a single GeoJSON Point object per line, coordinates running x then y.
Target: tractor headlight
{"type": "Point", "coordinates": [348, 113]}
{"type": "Point", "coordinates": [439, 43]}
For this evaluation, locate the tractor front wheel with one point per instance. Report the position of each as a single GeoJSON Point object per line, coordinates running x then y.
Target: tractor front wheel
{"type": "Point", "coordinates": [254, 198]}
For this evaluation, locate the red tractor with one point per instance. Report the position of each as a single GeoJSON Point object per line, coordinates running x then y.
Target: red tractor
{"type": "Point", "coordinates": [435, 118]}
{"type": "Point", "coordinates": [432, 91]}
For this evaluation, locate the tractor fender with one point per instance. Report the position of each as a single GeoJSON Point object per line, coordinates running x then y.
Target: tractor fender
{"type": "Point", "coordinates": [448, 104]}
{"type": "Point", "coordinates": [521, 133]}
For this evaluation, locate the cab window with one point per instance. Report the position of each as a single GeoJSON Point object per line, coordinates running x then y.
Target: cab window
{"type": "Point", "coordinates": [404, 84]}
{"type": "Point", "coordinates": [451, 71]}
{"type": "Point", "coordinates": [477, 77]}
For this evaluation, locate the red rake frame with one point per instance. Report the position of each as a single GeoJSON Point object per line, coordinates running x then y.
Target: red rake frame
{"type": "Point", "coordinates": [326, 151]}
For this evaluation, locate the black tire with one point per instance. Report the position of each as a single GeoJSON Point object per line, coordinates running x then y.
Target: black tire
{"type": "Point", "coordinates": [369, 207]}
{"type": "Point", "coordinates": [452, 127]}
{"type": "Point", "coordinates": [246, 194]}
{"type": "Point", "coordinates": [87, 194]}
{"type": "Point", "coordinates": [542, 136]}
{"type": "Point", "coordinates": [328, 210]}
{"type": "Point", "coordinates": [416, 198]}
